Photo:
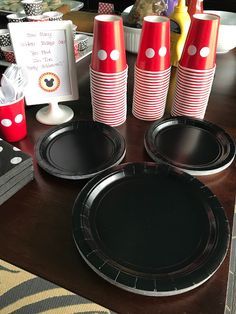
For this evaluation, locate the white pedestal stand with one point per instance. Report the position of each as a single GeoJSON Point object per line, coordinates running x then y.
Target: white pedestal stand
{"type": "Point", "coordinates": [54, 114]}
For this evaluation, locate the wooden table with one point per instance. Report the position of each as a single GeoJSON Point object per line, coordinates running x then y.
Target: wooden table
{"type": "Point", "coordinates": [35, 224]}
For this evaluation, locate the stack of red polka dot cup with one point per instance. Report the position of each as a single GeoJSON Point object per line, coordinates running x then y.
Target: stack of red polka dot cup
{"type": "Point", "coordinates": [152, 70]}
{"type": "Point", "coordinates": [196, 68]}
{"type": "Point", "coordinates": [108, 71]}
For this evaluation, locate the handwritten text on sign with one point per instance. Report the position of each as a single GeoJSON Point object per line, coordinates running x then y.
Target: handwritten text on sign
{"type": "Point", "coordinates": [43, 53]}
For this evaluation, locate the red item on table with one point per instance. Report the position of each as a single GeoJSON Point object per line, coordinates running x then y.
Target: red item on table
{"type": "Point", "coordinates": [154, 49]}
{"type": "Point", "coordinates": [13, 120]}
{"type": "Point", "coordinates": [199, 51]}
{"type": "Point", "coordinates": [195, 6]}
{"type": "Point", "coordinates": [108, 54]}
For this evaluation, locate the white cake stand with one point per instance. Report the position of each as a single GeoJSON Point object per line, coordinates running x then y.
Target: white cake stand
{"type": "Point", "coordinates": [54, 114]}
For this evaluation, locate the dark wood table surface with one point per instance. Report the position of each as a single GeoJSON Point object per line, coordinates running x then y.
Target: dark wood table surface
{"type": "Point", "coordinates": [35, 224]}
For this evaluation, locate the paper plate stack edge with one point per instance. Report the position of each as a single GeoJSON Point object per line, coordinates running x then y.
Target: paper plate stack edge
{"type": "Point", "coordinates": [16, 170]}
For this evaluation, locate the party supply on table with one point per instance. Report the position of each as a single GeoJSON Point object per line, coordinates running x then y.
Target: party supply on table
{"type": "Point", "coordinates": [79, 150]}
{"type": "Point", "coordinates": [108, 55]}
{"type": "Point", "coordinates": [192, 92]}
{"type": "Point", "coordinates": [12, 104]}
{"type": "Point", "coordinates": [150, 92]}
{"type": "Point", "coordinates": [82, 41]}
{"type": "Point", "coordinates": [199, 51]}
{"type": "Point", "coordinates": [13, 120]}
{"type": "Point", "coordinates": [105, 8]}
{"type": "Point", "coordinates": [195, 146]}
{"type": "Point", "coordinates": [5, 39]}
{"type": "Point", "coordinates": [195, 6]}
{"type": "Point", "coordinates": [152, 69]}
{"type": "Point", "coordinates": [32, 7]}
{"type": "Point", "coordinates": [230, 302]}
{"type": "Point", "coordinates": [187, 229]}
{"type": "Point", "coordinates": [16, 17]}
{"type": "Point", "coordinates": [13, 83]}
{"type": "Point", "coordinates": [8, 54]}
{"type": "Point", "coordinates": [179, 25]}
{"type": "Point", "coordinates": [196, 68]}
{"type": "Point", "coordinates": [54, 15]}
{"type": "Point", "coordinates": [53, 74]}
{"type": "Point", "coordinates": [108, 71]}
{"type": "Point", "coordinates": [109, 97]}
{"type": "Point", "coordinates": [16, 170]}
{"type": "Point", "coordinates": [38, 18]}
{"type": "Point", "coordinates": [154, 49]}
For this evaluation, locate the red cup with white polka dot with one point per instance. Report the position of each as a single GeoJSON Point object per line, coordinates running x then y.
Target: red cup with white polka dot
{"type": "Point", "coordinates": [154, 48]}
{"type": "Point", "coordinates": [199, 51]}
{"type": "Point", "coordinates": [13, 121]}
{"type": "Point", "coordinates": [108, 54]}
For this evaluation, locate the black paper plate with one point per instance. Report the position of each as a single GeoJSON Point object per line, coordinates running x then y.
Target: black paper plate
{"type": "Point", "coordinates": [150, 229]}
{"type": "Point", "coordinates": [193, 145]}
{"type": "Point", "coordinates": [79, 150]}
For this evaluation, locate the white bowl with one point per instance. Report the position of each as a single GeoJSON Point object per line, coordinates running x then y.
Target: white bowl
{"type": "Point", "coordinates": [132, 35]}
{"type": "Point", "coordinates": [132, 38]}
{"type": "Point", "coordinates": [227, 30]}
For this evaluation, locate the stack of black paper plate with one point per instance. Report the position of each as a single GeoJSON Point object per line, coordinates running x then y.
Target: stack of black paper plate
{"type": "Point", "coordinates": [16, 170]}
{"type": "Point", "coordinates": [150, 229]}
{"type": "Point", "coordinates": [80, 149]}
{"type": "Point", "coordinates": [196, 146]}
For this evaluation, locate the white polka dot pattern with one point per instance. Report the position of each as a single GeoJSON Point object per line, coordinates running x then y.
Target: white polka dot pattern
{"type": "Point", "coordinates": [6, 122]}
{"type": "Point", "coordinates": [162, 51]}
{"type": "Point", "coordinates": [5, 40]}
{"type": "Point", "coordinates": [115, 55]}
{"type": "Point", "coordinates": [19, 118]}
{"type": "Point", "coordinates": [192, 50]}
{"type": "Point", "coordinates": [150, 53]}
{"type": "Point", "coordinates": [33, 8]}
{"type": "Point", "coordinates": [204, 52]}
{"type": "Point", "coordinates": [15, 160]}
{"type": "Point", "coordinates": [102, 55]}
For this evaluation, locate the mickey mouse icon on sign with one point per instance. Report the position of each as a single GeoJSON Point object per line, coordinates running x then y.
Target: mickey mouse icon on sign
{"type": "Point", "coordinates": [49, 81]}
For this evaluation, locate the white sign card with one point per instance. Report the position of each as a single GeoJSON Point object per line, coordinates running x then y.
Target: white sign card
{"type": "Point", "coordinates": [45, 50]}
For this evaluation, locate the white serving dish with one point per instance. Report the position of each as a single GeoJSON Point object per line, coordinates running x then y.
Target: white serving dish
{"type": "Point", "coordinates": [227, 30]}
{"type": "Point", "coordinates": [132, 35]}
{"type": "Point", "coordinates": [132, 38]}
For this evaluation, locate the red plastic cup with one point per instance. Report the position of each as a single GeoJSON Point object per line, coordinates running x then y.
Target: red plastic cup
{"type": "Point", "coordinates": [200, 47]}
{"type": "Point", "coordinates": [13, 121]}
{"type": "Point", "coordinates": [195, 6]}
{"type": "Point", "coordinates": [108, 54]}
{"type": "Point", "coordinates": [154, 48]}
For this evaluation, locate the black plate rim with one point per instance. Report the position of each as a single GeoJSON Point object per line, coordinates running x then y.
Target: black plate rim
{"type": "Point", "coordinates": [201, 170]}
{"type": "Point", "coordinates": [52, 132]}
{"type": "Point", "coordinates": [214, 261]}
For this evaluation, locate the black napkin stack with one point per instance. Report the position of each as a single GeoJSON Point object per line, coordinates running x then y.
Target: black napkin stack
{"type": "Point", "coordinates": [16, 170]}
